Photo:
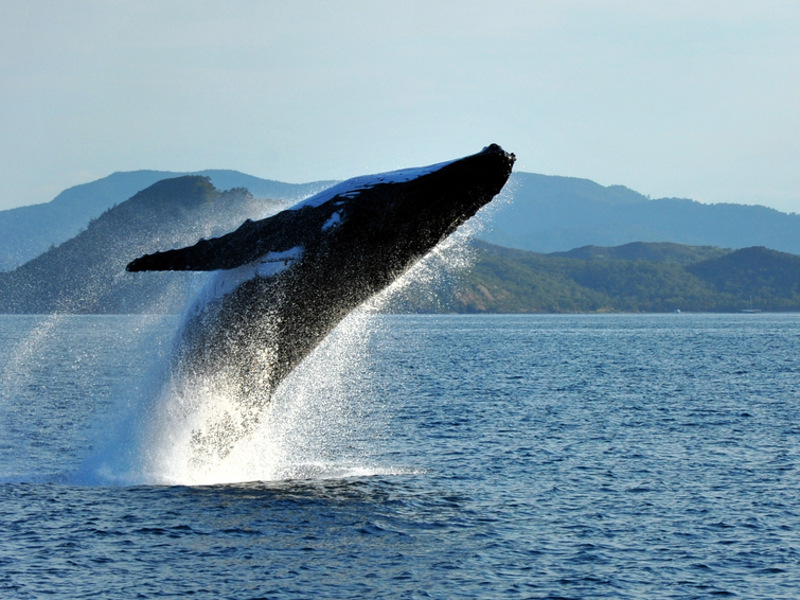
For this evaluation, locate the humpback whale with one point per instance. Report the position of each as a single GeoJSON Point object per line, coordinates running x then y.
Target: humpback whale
{"type": "Point", "coordinates": [284, 282]}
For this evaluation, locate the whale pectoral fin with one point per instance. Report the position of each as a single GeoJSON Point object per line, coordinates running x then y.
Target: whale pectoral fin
{"type": "Point", "coordinates": [199, 257]}
{"type": "Point", "coordinates": [252, 240]}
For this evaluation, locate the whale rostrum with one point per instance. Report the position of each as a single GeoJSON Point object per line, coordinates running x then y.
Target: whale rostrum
{"type": "Point", "coordinates": [284, 282]}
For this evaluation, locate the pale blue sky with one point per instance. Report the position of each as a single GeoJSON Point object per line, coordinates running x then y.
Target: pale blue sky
{"type": "Point", "coordinates": [673, 98]}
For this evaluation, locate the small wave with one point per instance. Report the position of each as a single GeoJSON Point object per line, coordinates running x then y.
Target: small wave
{"type": "Point", "coordinates": [325, 471]}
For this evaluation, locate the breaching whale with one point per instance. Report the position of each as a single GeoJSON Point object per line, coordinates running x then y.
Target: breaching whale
{"type": "Point", "coordinates": [285, 282]}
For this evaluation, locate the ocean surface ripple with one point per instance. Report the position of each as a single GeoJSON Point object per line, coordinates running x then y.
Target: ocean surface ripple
{"type": "Point", "coordinates": [607, 456]}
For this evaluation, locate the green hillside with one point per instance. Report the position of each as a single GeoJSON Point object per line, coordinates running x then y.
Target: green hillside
{"type": "Point", "coordinates": [657, 252]}
{"type": "Point", "coordinates": [672, 277]}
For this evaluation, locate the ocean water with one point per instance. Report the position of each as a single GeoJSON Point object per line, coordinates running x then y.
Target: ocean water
{"type": "Point", "coordinates": [607, 456]}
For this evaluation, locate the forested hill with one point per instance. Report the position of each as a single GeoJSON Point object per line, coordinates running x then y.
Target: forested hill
{"type": "Point", "coordinates": [656, 252]}
{"type": "Point", "coordinates": [633, 278]}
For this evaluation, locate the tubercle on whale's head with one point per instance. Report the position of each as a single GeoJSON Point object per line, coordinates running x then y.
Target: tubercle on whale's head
{"type": "Point", "coordinates": [480, 177]}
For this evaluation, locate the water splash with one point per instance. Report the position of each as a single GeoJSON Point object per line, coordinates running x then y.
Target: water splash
{"type": "Point", "coordinates": [320, 423]}
{"type": "Point", "coordinates": [443, 264]}
{"type": "Point", "coordinates": [16, 370]}
{"type": "Point", "coordinates": [310, 428]}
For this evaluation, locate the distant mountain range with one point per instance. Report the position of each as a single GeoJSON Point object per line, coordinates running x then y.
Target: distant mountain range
{"type": "Point", "coordinates": [86, 274]}
{"type": "Point", "coordinates": [549, 214]}
{"type": "Point", "coordinates": [28, 231]}
{"type": "Point", "coordinates": [546, 214]}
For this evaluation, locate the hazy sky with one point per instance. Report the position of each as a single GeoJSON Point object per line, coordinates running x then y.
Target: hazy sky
{"type": "Point", "coordinates": [674, 98]}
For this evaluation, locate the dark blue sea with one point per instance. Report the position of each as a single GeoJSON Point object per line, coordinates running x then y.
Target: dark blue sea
{"type": "Point", "coordinates": [603, 456]}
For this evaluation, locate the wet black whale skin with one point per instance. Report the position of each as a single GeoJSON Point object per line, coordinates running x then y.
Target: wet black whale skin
{"type": "Point", "coordinates": [260, 331]}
